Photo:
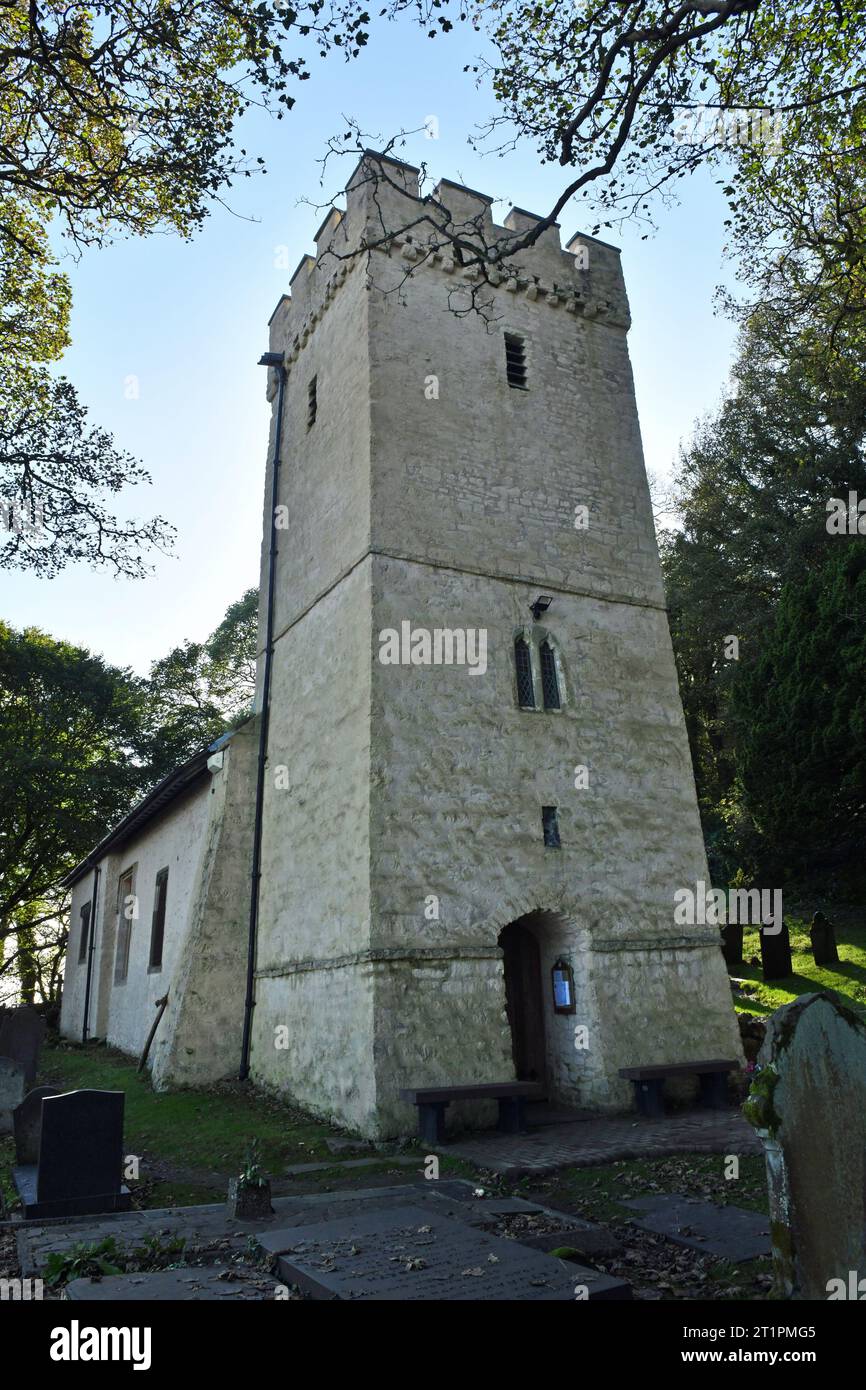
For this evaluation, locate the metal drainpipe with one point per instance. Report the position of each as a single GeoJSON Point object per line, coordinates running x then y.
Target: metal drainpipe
{"type": "Point", "coordinates": [268, 359]}
{"type": "Point", "coordinates": [92, 928]}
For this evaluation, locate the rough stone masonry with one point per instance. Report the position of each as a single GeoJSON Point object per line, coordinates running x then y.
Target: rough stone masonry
{"type": "Point", "coordinates": [428, 490]}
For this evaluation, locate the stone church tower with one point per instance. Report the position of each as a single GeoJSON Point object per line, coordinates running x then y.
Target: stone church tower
{"type": "Point", "coordinates": [437, 835]}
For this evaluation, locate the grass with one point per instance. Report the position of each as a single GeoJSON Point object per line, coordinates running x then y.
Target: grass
{"type": "Point", "coordinates": [189, 1141]}
{"type": "Point", "coordinates": [847, 979]}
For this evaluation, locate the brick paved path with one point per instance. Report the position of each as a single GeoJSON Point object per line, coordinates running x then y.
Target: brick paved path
{"type": "Point", "coordinates": [587, 1142]}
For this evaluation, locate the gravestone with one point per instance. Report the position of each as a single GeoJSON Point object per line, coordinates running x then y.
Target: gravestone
{"type": "Point", "coordinates": [11, 1091]}
{"type": "Point", "coordinates": [776, 952]}
{"type": "Point", "coordinates": [80, 1165]}
{"type": "Point", "coordinates": [410, 1254]}
{"type": "Point", "coordinates": [26, 1122]}
{"type": "Point", "coordinates": [732, 943]}
{"type": "Point", "coordinates": [822, 935]}
{"type": "Point", "coordinates": [808, 1104]}
{"type": "Point", "coordinates": [729, 1233]}
{"type": "Point", "coordinates": [21, 1034]}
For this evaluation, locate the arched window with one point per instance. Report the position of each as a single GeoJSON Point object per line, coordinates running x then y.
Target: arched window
{"type": "Point", "coordinates": [549, 679]}
{"type": "Point", "coordinates": [523, 666]}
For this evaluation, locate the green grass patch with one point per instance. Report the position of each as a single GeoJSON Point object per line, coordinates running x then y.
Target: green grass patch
{"type": "Point", "coordinates": [847, 979]}
{"type": "Point", "coordinates": [209, 1129]}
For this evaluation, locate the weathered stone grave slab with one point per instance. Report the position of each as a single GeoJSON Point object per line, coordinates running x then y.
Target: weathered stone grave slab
{"type": "Point", "coordinates": [21, 1034]}
{"type": "Point", "coordinates": [27, 1122]}
{"type": "Point", "coordinates": [808, 1104]}
{"type": "Point", "coordinates": [730, 1233]}
{"type": "Point", "coordinates": [12, 1087]}
{"type": "Point", "coordinates": [174, 1285]}
{"type": "Point", "coordinates": [411, 1254]}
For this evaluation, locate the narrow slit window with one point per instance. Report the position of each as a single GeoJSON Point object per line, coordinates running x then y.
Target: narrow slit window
{"type": "Point", "coordinates": [523, 666]}
{"type": "Point", "coordinates": [157, 929]}
{"type": "Point", "coordinates": [312, 403]}
{"type": "Point", "coordinates": [126, 912]}
{"type": "Point", "coordinates": [549, 678]}
{"type": "Point", "coordinates": [550, 826]}
{"type": "Point", "coordinates": [84, 934]}
{"type": "Point", "coordinates": [515, 361]}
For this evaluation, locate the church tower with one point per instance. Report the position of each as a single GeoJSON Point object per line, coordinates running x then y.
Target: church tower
{"type": "Point", "coordinates": [479, 801]}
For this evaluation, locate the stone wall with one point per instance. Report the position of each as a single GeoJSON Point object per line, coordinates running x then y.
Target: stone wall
{"type": "Point", "coordinates": [430, 491]}
{"type": "Point", "coordinates": [123, 1012]}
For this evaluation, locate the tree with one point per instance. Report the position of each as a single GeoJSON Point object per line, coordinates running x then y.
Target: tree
{"type": "Point", "coordinates": [54, 471]}
{"type": "Point", "coordinates": [71, 744]}
{"type": "Point", "coordinates": [200, 689]}
{"type": "Point", "coordinates": [752, 493]}
{"type": "Point", "coordinates": [114, 118]}
{"type": "Point", "coordinates": [799, 710]}
{"type": "Point", "coordinates": [629, 97]}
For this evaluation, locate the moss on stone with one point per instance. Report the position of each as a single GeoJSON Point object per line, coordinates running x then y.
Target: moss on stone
{"type": "Point", "coordinates": [758, 1107]}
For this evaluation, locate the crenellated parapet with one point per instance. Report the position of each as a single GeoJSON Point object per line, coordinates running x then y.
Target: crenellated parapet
{"type": "Point", "coordinates": [443, 233]}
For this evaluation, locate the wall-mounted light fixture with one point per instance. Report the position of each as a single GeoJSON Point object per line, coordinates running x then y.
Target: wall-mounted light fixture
{"type": "Point", "coordinates": [541, 605]}
{"type": "Point", "coordinates": [562, 977]}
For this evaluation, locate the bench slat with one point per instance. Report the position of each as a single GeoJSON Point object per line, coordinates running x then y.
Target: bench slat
{"type": "Point", "coordinates": [496, 1090]}
{"type": "Point", "coordinates": [653, 1073]}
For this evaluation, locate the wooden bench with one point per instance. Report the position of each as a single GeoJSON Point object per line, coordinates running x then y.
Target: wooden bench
{"type": "Point", "coordinates": [432, 1100]}
{"type": "Point", "coordinates": [648, 1083]}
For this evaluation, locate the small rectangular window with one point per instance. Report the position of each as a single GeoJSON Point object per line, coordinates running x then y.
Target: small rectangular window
{"type": "Point", "coordinates": [515, 361]}
{"type": "Point", "coordinates": [127, 911]}
{"type": "Point", "coordinates": [84, 933]}
{"type": "Point", "coordinates": [550, 826]}
{"type": "Point", "coordinates": [312, 403]}
{"type": "Point", "coordinates": [157, 929]}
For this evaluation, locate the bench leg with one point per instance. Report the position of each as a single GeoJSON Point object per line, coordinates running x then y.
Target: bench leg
{"type": "Point", "coordinates": [512, 1114]}
{"type": "Point", "coordinates": [648, 1098]}
{"type": "Point", "coordinates": [431, 1121]}
{"type": "Point", "coordinates": [714, 1089]}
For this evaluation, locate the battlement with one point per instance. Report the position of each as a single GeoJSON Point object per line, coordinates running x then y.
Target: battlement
{"type": "Point", "coordinates": [386, 215]}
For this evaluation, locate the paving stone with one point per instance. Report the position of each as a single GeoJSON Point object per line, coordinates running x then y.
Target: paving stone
{"type": "Point", "coordinates": [728, 1232]}
{"type": "Point", "coordinates": [410, 1254]}
{"type": "Point", "coordinates": [601, 1141]}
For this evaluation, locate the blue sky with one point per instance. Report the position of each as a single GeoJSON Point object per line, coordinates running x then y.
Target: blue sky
{"type": "Point", "coordinates": [189, 321]}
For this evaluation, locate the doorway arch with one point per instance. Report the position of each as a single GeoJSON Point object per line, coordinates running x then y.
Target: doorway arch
{"type": "Point", "coordinates": [524, 998]}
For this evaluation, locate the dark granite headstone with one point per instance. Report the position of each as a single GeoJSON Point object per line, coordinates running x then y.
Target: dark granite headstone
{"type": "Point", "coordinates": [80, 1165]}
{"type": "Point", "coordinates": [732, 943]}
{"type": "Point", "coordinates": [21, 1034]}
{"type": "Point", "coordinates": [822, 935]}
{"type": "Point", "coordinates": [26, 1122]}
{"type": "Point", "coordinates": [776, 951]}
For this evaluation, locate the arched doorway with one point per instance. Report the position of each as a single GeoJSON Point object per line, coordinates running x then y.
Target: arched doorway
{"type": "Point", "coordinates": [524, 999]}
